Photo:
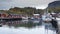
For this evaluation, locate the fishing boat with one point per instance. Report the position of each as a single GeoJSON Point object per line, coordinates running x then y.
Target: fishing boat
{"type": "Point", "coordinates": [58, 19]}
{"type": "Point", "coordinates": [46, 17]}
{"type": "Point", "coordinates": [24, 18]}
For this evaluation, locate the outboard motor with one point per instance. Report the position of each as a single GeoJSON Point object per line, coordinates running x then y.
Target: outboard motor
{"type": "Point", "coordinates": [54, 24]}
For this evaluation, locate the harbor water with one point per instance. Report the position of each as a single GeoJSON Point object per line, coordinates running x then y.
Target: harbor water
{"type": "Point", "coordinates": [26, 27]}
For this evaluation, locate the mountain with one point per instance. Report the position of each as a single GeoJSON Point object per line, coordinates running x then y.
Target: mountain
{"type": "Point", "coordinates": [54, 4]}
{"type": "Point", "coordinates": [24, 11]}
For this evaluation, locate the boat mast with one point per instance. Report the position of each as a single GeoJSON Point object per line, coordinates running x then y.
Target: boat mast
{"type": "Point", "coordinates": [46, 11]}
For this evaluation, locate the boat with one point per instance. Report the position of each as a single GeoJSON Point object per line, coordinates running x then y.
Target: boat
{"type": "Point", "coordinates": [46, 17]}
{"type": "Point", "coordinates": [0, 25]}
{"type": "Point", "coordinates": [24, 18]}
{"type": "Point", "coordinates": [58, 19]}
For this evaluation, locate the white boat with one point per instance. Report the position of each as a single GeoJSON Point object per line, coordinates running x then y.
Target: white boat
{"type": "Point", "coordinates": [24, 18]}
{"type": "Point", "coordinates": [58, 19]}
{"type": "Point", "coordinates": [46, 18]}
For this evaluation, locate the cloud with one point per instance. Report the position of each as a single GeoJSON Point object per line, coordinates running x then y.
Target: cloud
{"type": "Point", "coordinates": [6, 4]}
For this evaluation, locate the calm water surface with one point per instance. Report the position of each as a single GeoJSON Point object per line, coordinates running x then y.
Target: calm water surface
{"type": "Point", "coordinates": [26, 27]}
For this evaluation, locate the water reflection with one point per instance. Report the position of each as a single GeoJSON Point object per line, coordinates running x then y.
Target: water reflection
{"type": "Point", "coordinates": [26, 27]}
{"type": "Point", "coordinates": [22, 23]}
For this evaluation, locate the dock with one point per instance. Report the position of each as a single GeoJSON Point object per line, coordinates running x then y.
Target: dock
{"type": "Point", "coordinates": [7, 18]}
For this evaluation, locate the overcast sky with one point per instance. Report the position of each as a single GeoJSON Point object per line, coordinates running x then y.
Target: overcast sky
{"type": "Point", "coordinates": [6, 4]}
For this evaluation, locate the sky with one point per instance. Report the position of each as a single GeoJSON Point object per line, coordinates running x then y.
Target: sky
{"type": "Point", "coordinates": [39, 4]}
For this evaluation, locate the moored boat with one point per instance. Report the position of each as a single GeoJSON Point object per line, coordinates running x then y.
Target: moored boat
{"type": "Point", "coordinates": [46, 18]}
{"type": "Point", "coordinates": [58, 19]}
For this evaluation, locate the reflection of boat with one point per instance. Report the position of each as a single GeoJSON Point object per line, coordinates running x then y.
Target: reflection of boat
{"type": "Point", "coordinates": [36, 21]}
{"type": "Point", "coordinates": [32, 18]}
{"type": "Point", "coordinates": [25, 21]}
